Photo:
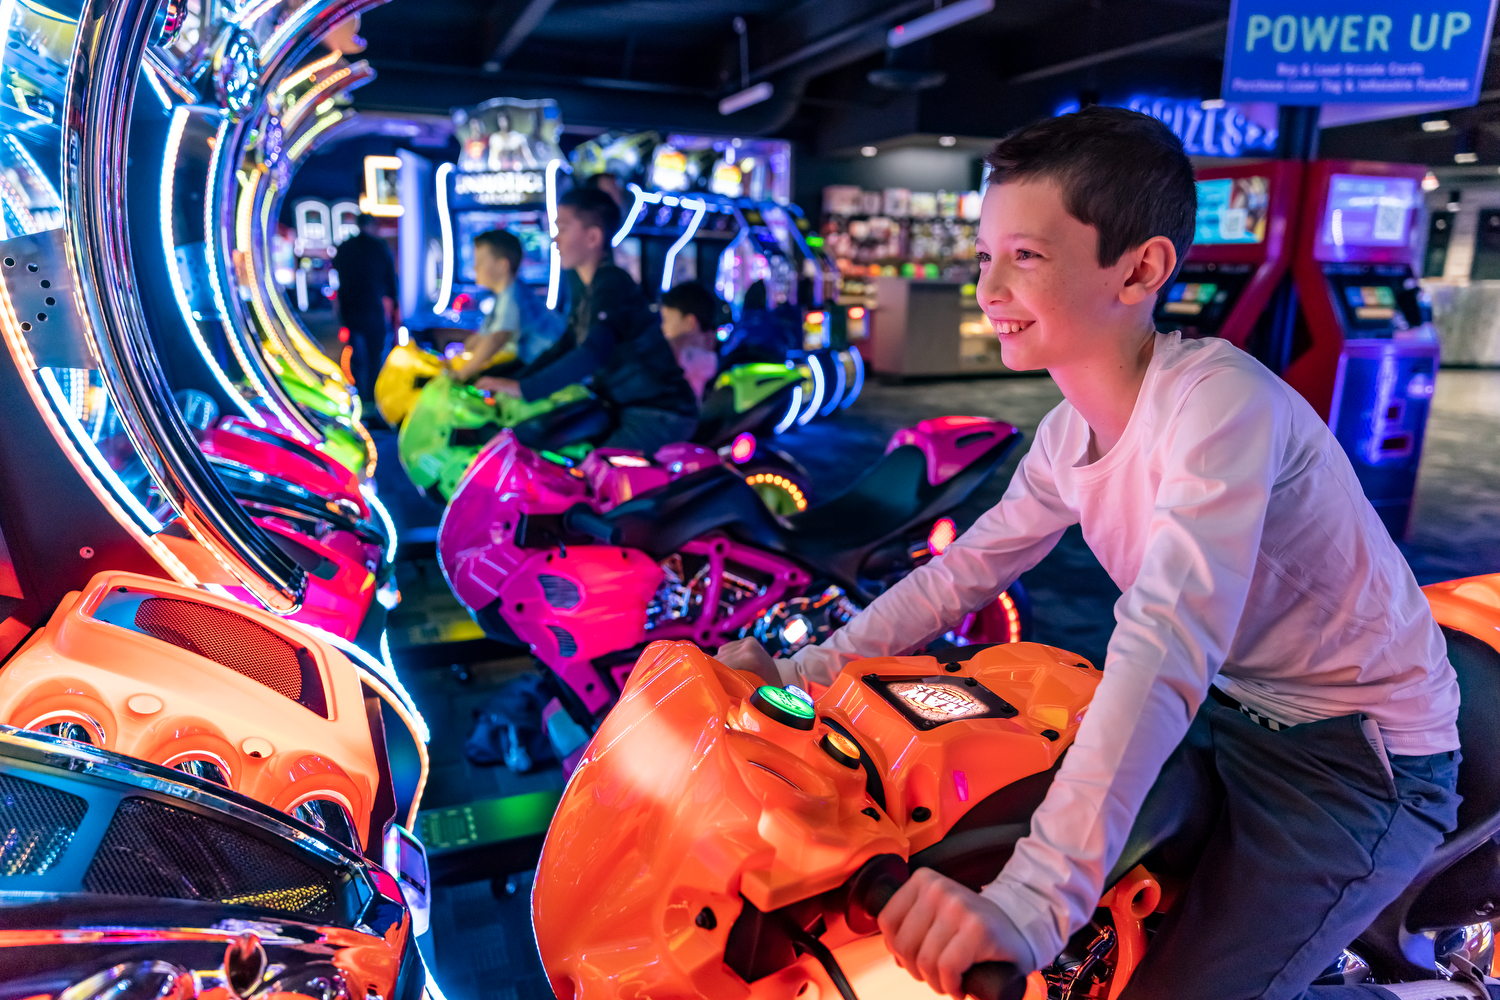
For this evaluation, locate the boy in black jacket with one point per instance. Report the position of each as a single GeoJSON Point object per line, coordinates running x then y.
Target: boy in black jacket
{"type": "Point", "coordinates": [611, 338]}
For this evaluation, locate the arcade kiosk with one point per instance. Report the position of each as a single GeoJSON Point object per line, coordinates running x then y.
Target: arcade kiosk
{"type": "Point", "coordinates": [1242, 249]}
{"type": "Point", "coordinates": [1311, 268]}
{"type": "Point", "coordinates": [1364, 350]}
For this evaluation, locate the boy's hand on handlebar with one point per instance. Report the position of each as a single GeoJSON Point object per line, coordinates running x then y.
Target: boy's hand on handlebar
{"type": "Point", "coordinates": [750, 656]}
{"type": "Point", "coordinates": [501, 386]}
{"type": "Point", "coordinates": [938, 930]}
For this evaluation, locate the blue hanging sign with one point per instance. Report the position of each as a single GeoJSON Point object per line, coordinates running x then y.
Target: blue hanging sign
{"type": "Point", "coordinates": [1206, 128]}
{"type": "Point", "coordinates": [1352, 51]}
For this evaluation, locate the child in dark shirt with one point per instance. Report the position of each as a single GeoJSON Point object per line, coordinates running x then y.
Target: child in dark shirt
{"type": "Point", "coordinates": [611, 338]}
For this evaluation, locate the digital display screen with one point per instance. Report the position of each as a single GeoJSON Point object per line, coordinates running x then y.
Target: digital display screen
{"type": "Point", "coordinates": [1371, 301]}
{"type": "Point", "coordinates": [928, 702]}
{"type": "Point", "coordinates": [1366, 211]}
{"type": "Point", "coordinates": [525, 226]}
{"type": "Point", "coordinates": [1232, 210]}
{"type": "Point", "coordinates": [1187, 298]}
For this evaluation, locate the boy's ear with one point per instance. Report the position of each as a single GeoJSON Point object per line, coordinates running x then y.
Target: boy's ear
{"type": "Point", "coordinates": [1154, 261]}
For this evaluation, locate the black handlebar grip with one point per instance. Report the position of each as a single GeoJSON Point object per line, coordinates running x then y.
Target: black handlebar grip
{"type": "Point", "coordinates": [994, 981]}
{"type": "Point", "coordinates": [872, 888]}
{"type": "Point", "coordinates": [580, 519]}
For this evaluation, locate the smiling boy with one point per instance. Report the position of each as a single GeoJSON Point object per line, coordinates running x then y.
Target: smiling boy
{"type": "Point", "coordinates": [1273, 659]}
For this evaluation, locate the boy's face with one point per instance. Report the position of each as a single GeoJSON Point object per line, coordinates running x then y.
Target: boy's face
{"type": "Point", "coordinates": [576, 243]}
{"type": "Point", "coordinates": [1041, 285]}
{"type": "Point", "coordinates": [675, 322]}
{"type": "Point", "coordinates": [490, 269]}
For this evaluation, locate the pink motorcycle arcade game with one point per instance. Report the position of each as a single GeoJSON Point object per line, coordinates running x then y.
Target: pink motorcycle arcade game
{"type": "Point", "coordinates": [585, 565]}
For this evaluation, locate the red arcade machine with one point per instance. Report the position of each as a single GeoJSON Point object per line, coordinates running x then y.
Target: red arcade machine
{"type": "Point", "coordinates": [1364, 351]}
{"type": "Point", "coordinates": [1242, 248]}
{"type": "Point", "coordinates": [1309, 267]}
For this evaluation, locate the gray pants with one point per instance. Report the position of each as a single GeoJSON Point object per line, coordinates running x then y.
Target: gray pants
{"type": "Point", "coordinates": [1310, 841]}
{"type": "Point", "coordinates": [647, 430]}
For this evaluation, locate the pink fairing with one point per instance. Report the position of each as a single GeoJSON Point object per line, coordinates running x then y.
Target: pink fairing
{"type": "Point", "coordinates": [614, 476]}
{"type": "Point", "coordinates": [338, 602]}
{"type": "Point", "coordinates": [951, 443]}
{"type": "Point", "coordinates": [476, 539]}
{"type": "Point", "coordinates": [573, 604]}
{"type": "Point", "coordinates": [278, 454]}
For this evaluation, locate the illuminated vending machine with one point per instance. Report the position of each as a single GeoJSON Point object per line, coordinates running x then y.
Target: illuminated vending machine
{"type": "Point", "coordinates": [1364, 350]}
{"type": "Point", "coordinates": [1231, 284]}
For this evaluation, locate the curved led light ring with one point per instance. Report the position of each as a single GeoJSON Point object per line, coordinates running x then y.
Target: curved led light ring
{"type": "Point", "coordinates": [840, 383]}
{"type": "Point", "coordinates": [368, 492]}
{"type": "Point", "coordinates": [817, 395]}
{"type": "Point", "coordinates": [859, 378]}
{"type": "Point", "coordinates": [149, 72]}
{"type": "Point", "coordinates": [293, 423]}
{"type": "Point", "coordinates": [294, 115]}
{"type": "Point", "coordinates": [445, 224]}
{"type": "Point", "coordinates": [698, 207]}
{"type": "Point", "coordinates": [104, 470]}
{"type": "Point", "coordinates": [174, 276]}
{"type": "Point", "coordinates": [308, 73]}
{"type": "Point", "coordinates": [639, 201]}
{"type": "Point", "coordinates": [791, 411]}
{"type": "Point", "coordinates": [554, 268]}
{"type": "Point", "coordinates": [291, 330]}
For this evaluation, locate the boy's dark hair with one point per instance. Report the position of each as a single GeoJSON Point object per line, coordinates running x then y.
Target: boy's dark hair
{"type": "Point", "coordinates": [1122, 172]}
{"type": "Point", "coordinates": [364, 219]}
{"type": "Point", "coordinates": [595, 209]}
{"type": "Point", "coordinates": [692, 299]}
{"type": "Point", "coordinates": [502, 244]}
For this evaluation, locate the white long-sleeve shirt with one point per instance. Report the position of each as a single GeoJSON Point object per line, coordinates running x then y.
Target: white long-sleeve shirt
{"type": "Point", "coordinates": [1248, 557]}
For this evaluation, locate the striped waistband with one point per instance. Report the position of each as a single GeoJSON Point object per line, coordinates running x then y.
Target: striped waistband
{"type": "Point", "coordinates": [1230, 702]}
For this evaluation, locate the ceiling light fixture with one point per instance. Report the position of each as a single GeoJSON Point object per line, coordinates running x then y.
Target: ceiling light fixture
{"type": "Point", "coordinates": [947, 140]}
{"type": "Point", "coordinates": [868, 151]}
{"type": "Point", "coordinates": [939, 20]}
{"type": "Point", "coordinates": [1212, 104]}
{"type": "Point", "coordinates": [1465, 157]}
{"type": "Point", "coordinates": [745, 98]}
{"type": "Point", "coordinates": [1436, 125]}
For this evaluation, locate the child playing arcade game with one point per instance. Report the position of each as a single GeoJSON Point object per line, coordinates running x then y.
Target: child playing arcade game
{"type": "Point", "coordinates": [517, 317]}
{"type": "Point", "coordinates": [618, 345]}
{"type": "Point", "coordinates": [687, 321]}
{"type": "Point", "coordinates": [1272, 660]}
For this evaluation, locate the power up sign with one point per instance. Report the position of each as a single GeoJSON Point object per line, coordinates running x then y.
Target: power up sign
{"type": "Point", "coordinates": [1340, 51]}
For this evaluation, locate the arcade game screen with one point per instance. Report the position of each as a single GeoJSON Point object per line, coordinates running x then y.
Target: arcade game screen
{"type": "Point", "coordinates": [1367, 211]}
{"type": "Point", "coordinates": [1232, 210]}
{"type": "Point", "coordinates": [528, 228]}
{"type": "Point", "coordinates": [1202, 297]}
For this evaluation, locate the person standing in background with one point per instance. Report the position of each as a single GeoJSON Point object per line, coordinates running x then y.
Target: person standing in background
{"type": "Point", "coordinates": [367, 302]}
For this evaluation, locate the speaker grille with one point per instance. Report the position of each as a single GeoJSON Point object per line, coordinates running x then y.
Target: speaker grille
{"type": "Point", "coordinates": [566, 644]}
{"type": "Point", "coordinates": [37, 824]}
{"type": "Point", "coordinates": [153, 849]}
{"type": "Point", "coordinates": [559, 591]}
{"type": "Point", "coordinates": [238, 643]}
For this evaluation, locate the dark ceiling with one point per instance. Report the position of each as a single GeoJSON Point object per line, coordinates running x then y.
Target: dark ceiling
{"type": "Point", "coordinates": [665, 64]}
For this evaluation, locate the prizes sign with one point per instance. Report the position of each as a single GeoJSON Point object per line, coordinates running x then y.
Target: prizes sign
{"type": "Point", "coordinates": [1350, 51]}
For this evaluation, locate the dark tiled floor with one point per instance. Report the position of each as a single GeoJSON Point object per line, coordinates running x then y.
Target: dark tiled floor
{"type": "Point", "coordinates": [483, 940]}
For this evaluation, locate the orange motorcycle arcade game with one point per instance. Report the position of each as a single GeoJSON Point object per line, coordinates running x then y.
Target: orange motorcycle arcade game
{"type": "Point", "coordinates": [723, 839]}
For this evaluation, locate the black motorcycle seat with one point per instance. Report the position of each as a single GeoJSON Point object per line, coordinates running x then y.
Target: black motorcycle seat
{"type": "Point", "coordinates": [833, 538]}
{"type": "Point", "coordinates": [892, 496]}
{"type": "Point", "coordinates": [570, 423]}
{"type": "Point", "coordinates": [664, 520]}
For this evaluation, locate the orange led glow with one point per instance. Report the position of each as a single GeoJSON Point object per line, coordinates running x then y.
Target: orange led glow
{"type": "Point", "coordinates": [815, 318]}
{"type": "Point", "coordinates": [856, 312]}
{"type": "Point", "coordinates": [942, 535]}
{"type": "Point", "coordinates": [782, 483]}
{"type": "Point", "coordinates": [1012, 617]}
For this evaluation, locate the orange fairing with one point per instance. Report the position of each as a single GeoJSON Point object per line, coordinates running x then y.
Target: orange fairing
{"type": "Point", "coordinates": [693, 800]}
{"type": "Point", "coordinates": [1470, 605]}
{"type": "Point", "coordinates": [184, 678]}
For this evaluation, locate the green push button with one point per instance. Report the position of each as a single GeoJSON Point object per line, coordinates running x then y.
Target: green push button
{"type": "Point", "coordinates": [783, 706]}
